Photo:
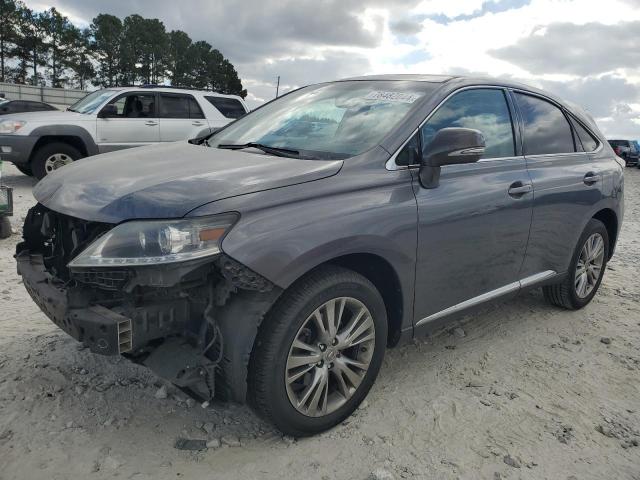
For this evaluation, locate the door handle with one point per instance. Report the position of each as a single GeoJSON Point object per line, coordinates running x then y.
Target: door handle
{"type": "Point", "coordinates": [517, 189]}
{"type": "Point", "coordinates": [151, 123]}
{"type": "Point", "coordinates": [590, 178]}
{"type": "Point", "coordinates": [197, 124]}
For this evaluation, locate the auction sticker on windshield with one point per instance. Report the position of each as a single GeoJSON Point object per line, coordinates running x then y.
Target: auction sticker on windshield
{"type": "Point", "coordinates": [400, 97]}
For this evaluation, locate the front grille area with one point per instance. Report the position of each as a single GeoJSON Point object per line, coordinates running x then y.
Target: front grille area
{"type": "Point", "coordinates": [107, 279]}
{"type": "Point", "coordinates": [60, 238]}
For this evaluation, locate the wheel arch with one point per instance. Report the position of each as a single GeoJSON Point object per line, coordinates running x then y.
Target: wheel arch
{"type": "Point", "coordinates": [384, 277]}
{"type": "Point", "coordinates": [610, 220]}
{"type": "Point", "coordinates": [76, 136]}
{"type": "Point", "coordinates": [240, 337]}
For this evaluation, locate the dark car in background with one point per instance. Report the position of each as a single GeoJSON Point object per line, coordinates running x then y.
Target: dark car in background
{"type": "Point", "coordinates": [275, 260]}
{"type": "Point", "coordinates": [627, 150]}
{"type": "Point", "coordinates": [22, 106]}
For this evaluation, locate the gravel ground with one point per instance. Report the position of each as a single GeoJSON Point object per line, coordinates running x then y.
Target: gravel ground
{"type": "Point", "coordinates": [521, 390]}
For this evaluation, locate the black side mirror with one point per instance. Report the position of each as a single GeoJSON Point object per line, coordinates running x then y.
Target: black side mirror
{"type": "Point", "coordinates": [108, 111]}
{"type": "Point", "coordinates": [450, 146]}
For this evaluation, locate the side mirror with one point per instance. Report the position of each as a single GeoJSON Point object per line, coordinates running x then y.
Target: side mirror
{"type": "Point", "coordinates": [108, 111]}
{"type": "Point", "coordinates": [450, 146]}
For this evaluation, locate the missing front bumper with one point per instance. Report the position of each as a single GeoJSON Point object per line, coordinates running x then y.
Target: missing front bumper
{"type": "Point", "coordinates": [103, 330]}
{"type": "Point", "coordinates": [107, 331]}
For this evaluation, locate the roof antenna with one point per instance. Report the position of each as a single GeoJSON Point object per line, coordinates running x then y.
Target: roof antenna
{"type": "Point", "coordinates": [278, 86]}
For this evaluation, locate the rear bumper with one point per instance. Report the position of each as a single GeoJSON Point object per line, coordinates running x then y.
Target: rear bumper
{"type": "Point", "coordinates": [101, 329]}
{"type": "Point", "coordinates": [16, 148]}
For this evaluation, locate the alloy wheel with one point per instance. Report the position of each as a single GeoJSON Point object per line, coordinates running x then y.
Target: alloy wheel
{"type": "Point", "coordinates": [329, 356]}
{"type": "Point", "coordinates": [56, 161]}
{"type": "Point", "coordinates": [589, 266]}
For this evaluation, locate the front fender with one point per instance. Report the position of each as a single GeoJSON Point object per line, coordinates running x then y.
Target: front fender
{"type": "Point", "coordinates": [67, 131]}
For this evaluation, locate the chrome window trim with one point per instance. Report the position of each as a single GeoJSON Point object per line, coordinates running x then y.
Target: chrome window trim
{"type": "Point", "coordinates": [498, 292]}
{"type": "Point", "coordinates": [391, 163]}
{"type": "Point", "coordinates": [566, 113]}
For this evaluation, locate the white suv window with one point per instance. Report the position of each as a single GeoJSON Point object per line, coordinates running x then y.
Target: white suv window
{"type": "Point", "coordinates": [136, 105]}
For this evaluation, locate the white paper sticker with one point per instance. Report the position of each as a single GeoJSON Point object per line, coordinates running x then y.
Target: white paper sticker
{"type": "Point", "coordinates": [400, 97]}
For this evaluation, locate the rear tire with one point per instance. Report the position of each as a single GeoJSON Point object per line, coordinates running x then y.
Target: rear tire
{"type": "Point", "coordinates": [52, 156]}
{"type": "Point", "coordinates": [274, 394]}
{"type": "Point", "coordinates": [572, 293]}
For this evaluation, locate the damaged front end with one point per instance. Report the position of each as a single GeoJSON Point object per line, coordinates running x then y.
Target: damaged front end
{"type": "Point", "coordinates": [192, 322]}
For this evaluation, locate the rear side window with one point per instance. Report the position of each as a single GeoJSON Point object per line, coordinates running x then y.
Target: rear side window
{"type": "Point", "coordinates": [179, 106]}
{"type": "Point", "coordinates": [174, 106]}
{"type": "Point", "coordinates": [229, 107]}
{"type": "Point", "coordinates": [194, 109]}
{"type": "Point", "coordinates": [483, 109]}
{"type": "Point", "coordinates": [546, 129]}
{"type": "Point", "coordinates": [618, 143]}
{"type": "Point", "coordinates": [588, 141]}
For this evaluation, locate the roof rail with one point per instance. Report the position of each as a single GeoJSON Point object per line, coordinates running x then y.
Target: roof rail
{"type": "Point", "coordinates": [155, 85]}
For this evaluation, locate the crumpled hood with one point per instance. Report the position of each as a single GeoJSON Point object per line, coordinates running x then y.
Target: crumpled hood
{"type": "Point", "coordinates": [168, 181]}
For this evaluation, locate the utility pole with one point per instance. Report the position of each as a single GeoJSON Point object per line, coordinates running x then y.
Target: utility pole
{"type": "Point", "coordinates": [278, 86]}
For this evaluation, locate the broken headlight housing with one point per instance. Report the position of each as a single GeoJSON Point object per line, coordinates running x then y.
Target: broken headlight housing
{"type": "Point", "coordinates": [152, 242]}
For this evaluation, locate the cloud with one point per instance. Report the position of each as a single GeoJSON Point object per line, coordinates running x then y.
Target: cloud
{"type": "Point", "coordinates": [568, 48]}
{"type": "Point", "coordinates": [599, 95]}
{"type": "Point", "coordinates": [592, 57]}
{"type": "Point", "coordinates": [406, 27]}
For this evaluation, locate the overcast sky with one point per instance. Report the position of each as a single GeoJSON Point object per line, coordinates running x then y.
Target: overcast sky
{"type": "Point", "coordinates": [587, 51]}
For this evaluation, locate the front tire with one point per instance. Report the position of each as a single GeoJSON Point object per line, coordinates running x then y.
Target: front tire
{"type": "Point", "coordinates": [318, 352]}
{"type": "Point", "coordinates": [52, 156]}
{"type": "Point", "coordinates": [25, 169]}
{"type": "Point", "coordinates": [586, 270]}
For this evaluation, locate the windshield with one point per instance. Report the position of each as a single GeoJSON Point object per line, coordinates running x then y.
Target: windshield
{"type": "Point", "coordinates": [334, 120]}
{"type": "Point", "coordinates": [92, 101]}
{"type": "Point", "coordinates": [3, 100]}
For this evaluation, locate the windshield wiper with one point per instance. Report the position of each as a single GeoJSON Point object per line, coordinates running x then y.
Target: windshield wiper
{"type": "Point", "coordinates": [280, 152]}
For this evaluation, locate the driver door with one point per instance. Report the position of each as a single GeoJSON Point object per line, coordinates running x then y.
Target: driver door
{"type": "Point", "coordinates": [474, 227]}
{"type": "Point", "coordinates": [134, 123]}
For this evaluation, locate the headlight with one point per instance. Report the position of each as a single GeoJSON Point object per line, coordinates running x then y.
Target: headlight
{"type": "Point", "coordinates": [156, 242]}
{"type": "Point", "coordinates": [11, 126]}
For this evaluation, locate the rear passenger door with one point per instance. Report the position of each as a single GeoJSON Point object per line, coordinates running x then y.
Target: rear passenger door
{"type": "Point", "coordinates": [472, 228]}
{"type": "Point", "coordinates": [181, 118]}
{"type": "Point", "coordinates": [566, 182]}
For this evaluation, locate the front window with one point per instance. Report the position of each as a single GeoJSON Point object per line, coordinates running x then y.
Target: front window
{"type": "Point", "coordinates": [334, 120]}
{"type": "Point", "coordinates": [92, 101]}
{"type": "Point", "coordinates": [483, 109]}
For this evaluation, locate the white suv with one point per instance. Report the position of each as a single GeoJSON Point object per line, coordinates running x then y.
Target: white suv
{"type": "Point", "coordinates": [112, 119]}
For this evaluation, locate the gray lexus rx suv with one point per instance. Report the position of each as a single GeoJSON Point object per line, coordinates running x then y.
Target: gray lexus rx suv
{"type": "Point", "coordinates": [274, 261]}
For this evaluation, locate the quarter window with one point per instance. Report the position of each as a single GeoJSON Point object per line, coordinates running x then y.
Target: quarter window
{"type": "Point", "coordinates": [587, 141]}
{"type": "Point", "coordinates": [483, 109]}
{"type": "Point", "coordinates": [229, 107]}
{"type": "Point", "coordinates": [546, 129]}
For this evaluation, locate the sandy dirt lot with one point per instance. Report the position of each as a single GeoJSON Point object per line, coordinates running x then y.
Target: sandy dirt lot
{"type": "Point", "coordinates": [520, 390]}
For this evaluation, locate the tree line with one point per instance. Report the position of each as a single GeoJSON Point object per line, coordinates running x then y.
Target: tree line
{"type": "Point", "coordinates": [45, 48]}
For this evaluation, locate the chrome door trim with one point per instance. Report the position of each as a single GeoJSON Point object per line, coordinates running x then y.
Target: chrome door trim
{"type": "Point", "coordinates": [538, 277]}
{"type": "Point", "coordinates": [498, 292]}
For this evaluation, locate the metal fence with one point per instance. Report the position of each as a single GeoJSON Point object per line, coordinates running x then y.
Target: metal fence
{"type": "Point", "coordinates": [59, 97]}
